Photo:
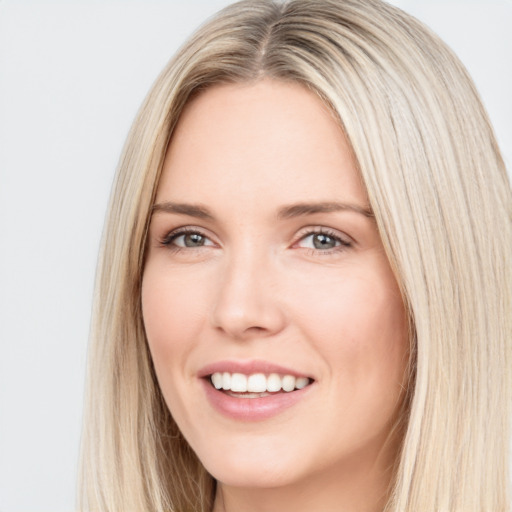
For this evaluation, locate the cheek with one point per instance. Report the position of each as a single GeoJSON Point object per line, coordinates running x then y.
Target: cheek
{"type": "Point", "coordinates": [359, 325]}
{"type": "Point", "coordinates": [362, 308]}
{"type": "Point", "coordinates": [173, 314]}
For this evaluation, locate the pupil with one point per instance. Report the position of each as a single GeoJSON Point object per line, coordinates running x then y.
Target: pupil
{"type": "Point", "coordinates": [323, 242]}
{"type": "Point", "coordinates": [193, 240]}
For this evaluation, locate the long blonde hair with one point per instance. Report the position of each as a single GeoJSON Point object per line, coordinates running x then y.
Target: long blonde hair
{"type": "Point", "coordinates": [438, 187]}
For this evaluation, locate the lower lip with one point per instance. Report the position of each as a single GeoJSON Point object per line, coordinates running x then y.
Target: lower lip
{"type": "Point", "coordinates": [253, 409]}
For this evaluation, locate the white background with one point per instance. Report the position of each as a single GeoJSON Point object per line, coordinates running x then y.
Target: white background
{"type": "Point", "coordinates": [72, 75]}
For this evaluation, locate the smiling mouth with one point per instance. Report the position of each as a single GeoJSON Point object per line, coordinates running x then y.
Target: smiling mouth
{"type": "Point", "coordinates": [256, 385]}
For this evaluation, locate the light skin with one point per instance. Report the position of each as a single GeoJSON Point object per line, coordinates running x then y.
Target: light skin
{"type": "Point", "coordinates": [281, 262]}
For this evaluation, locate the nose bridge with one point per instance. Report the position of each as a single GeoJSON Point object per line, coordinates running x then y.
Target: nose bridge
{"type": "Point", "coordinates": [247, 302]}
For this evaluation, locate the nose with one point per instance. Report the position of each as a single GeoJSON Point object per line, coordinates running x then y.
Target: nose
{"type": "Point", "coordinates": [248, 302]}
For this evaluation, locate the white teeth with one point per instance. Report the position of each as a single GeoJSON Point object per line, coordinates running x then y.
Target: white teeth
{"type": "Point", "coordinates": [226, 381]}
{"type": "Point", "coordinates": [239, 383]}
{"type": "Point", "coordinates": [257, 382]}
{"type": "Point", "coordinates": [288, 383]}
{"type": "Point", "coordinates": [274, 383]}
{"type": "Point", "coordinates": [301, 382]}
{"type": "Point", "coordinates": [217, 380]}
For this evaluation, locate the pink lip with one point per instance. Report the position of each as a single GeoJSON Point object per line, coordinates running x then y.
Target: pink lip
{"type": "Point", "coordinates": [250, 409]}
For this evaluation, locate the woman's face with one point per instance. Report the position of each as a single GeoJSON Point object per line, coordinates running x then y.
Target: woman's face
{"type": "Point", "coordinates": [265, 269]}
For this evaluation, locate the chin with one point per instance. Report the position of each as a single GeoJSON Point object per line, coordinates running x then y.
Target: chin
{"type": "Point", "coordinates": [254, 466]}
{"type": "Point", "coordinates": [256, 477]}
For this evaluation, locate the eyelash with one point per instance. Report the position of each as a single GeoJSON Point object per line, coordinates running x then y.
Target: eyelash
{"type": "Point", "coordinates": [168, 240]}
{"type": "Point", "coordinates": [309, 232]}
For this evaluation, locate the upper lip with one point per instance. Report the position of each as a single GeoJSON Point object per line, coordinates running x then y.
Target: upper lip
{"type": "Point", "coordinates": [248, 368]}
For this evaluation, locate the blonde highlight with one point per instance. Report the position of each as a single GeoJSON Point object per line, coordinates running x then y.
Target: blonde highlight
{"type": "Point", "coordinates": [439, 191]}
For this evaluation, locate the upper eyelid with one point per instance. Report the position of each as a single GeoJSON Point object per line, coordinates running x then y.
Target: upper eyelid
{"type": "Point", "coordinates": [313, 230]}
{"type": "Point", "coordinates": [184, 230]}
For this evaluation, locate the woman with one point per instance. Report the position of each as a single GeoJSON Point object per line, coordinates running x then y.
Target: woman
{"type": "Point", "coordinates": [304, 296]}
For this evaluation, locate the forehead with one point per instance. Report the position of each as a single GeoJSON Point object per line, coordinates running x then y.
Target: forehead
{"type": "Point", "coordinates": [266, 138]}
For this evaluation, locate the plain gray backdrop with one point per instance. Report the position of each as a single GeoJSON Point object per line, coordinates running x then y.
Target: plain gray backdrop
{"type": "Point", "coordinates": [72, 75]}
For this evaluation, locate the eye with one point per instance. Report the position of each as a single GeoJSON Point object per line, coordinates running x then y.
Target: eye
{"type": "Point", "coordinates": [186, 239]}
{"type": "Point", "coordinates": [323, 240]}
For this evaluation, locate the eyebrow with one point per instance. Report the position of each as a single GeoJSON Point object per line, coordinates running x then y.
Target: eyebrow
{"type": "Point", "coordinates": [299, 209]}
{"type": "Point", "coordinates": [192, 210]}
{"type": "Point", "coordinates": [286, 212]}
